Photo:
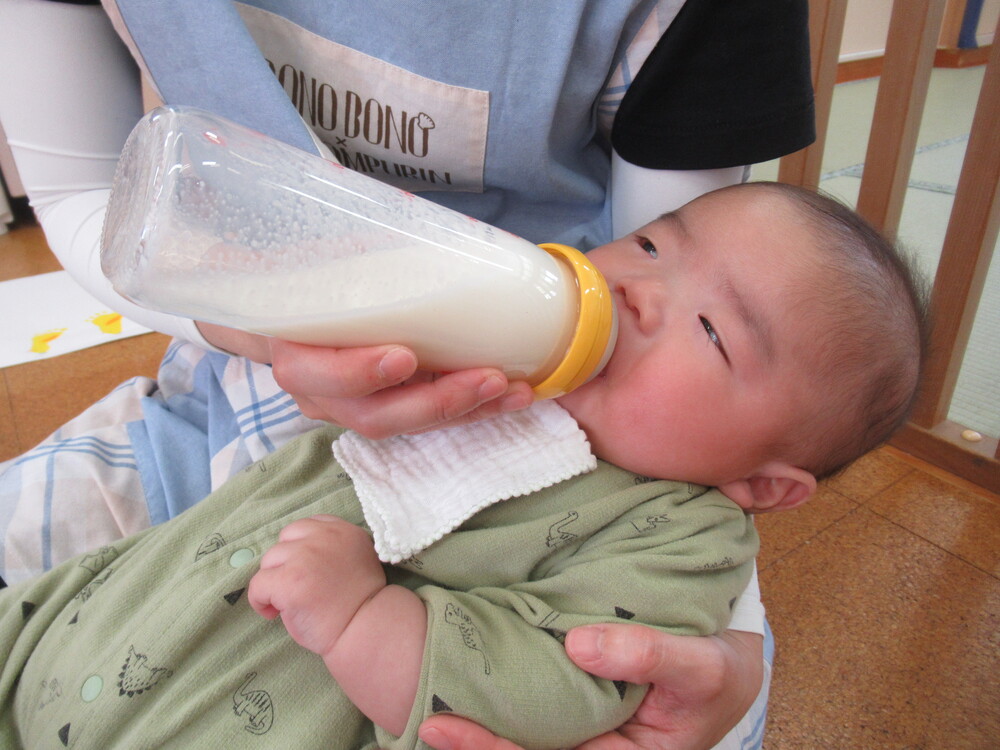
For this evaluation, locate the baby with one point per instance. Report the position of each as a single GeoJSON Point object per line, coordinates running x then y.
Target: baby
{"type": "Point", "coordinates": [767, 337]}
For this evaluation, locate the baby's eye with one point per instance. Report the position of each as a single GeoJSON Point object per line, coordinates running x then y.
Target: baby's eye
{"type": "Point", "coordinates": [649, 247]}
{"type": "Point", "coordinates": [713, 336]}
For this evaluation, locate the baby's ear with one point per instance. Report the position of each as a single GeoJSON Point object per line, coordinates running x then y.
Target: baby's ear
{"type": "Point", "coordinates": [774, 486]}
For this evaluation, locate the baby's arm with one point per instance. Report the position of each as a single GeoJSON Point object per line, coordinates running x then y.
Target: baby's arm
{"type": "Point", "coordinates": [325, 580]}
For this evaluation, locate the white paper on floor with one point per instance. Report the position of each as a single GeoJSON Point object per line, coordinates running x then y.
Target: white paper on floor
{"type": "Point", "coordinates": [50, 314]}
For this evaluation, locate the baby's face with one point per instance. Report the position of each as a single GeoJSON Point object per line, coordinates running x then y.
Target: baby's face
{"type": "Point", "coordinates": [704, 377]}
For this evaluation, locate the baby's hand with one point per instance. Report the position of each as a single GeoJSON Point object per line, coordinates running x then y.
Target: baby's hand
{"type": "Point", "coordinates": [321, 571]}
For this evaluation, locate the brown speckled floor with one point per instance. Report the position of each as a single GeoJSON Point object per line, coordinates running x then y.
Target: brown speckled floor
{"type": "Point", "coordinates": [884, 596]}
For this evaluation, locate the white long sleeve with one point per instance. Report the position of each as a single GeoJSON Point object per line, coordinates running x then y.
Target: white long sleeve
{"type": "Point", "coordinates": [748, 613]}
{"type": "Point", "coordinates": [640, 195]}
{"type": "Point", "coordinates": [69, 96]}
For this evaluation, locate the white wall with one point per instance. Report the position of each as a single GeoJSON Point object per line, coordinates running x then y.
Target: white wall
{"type": "Point", "coordinates": [867, 25]}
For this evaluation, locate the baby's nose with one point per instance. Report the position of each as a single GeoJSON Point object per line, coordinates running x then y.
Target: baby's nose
{"type": "Point", "coordinates": [646, 298]}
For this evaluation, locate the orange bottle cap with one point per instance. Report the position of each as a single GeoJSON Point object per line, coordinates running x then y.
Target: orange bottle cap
{"type": "Point", "coordinates": [596, 330]}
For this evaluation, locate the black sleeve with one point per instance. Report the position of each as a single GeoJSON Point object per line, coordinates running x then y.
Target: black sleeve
{"type": "Point", "coordinates": [728, 84]}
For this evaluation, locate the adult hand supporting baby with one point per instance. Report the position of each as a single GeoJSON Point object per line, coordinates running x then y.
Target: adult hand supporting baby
{"type": "Point", "coordinates": [700, 688]}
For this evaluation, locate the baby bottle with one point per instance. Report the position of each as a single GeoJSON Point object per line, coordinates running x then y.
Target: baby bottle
{"type": "Point", "coordinates": [212, 221]}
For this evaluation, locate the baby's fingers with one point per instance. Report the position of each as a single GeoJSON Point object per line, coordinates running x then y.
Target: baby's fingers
{"type": "Point", "coordinates": [306, 527]}
{"type": "Point", "coordinates": [260, 591]}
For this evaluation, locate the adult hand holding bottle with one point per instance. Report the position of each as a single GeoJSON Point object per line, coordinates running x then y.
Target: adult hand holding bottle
{"type": "Point", "coordinates": [377, 390]}
{"type": "Point", "coordinates": [460, 292]}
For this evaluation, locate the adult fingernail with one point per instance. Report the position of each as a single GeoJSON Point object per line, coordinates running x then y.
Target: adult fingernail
{"type": "Point", "coordinates": [516, 401]}
{"type": "Point", "coordinates": [435, 738]}
{"type": "Point", "coordinates": [492, 387]}
{"type": "Point", "coordinates": [396, 365]}
{"type": "Point", "coordinates": [585, 643]}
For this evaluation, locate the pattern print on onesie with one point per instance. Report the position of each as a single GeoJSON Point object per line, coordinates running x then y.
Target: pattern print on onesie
{"type": "Point", "coordinates": [557, 531]}
{"type": "Point", "coordinates": [137, 676]}
{"type": "Point", "coordinates": [470, 633]}
{"type": "Point", "coordinates": [547, 624]}
{"type": "Point", "coordinates": [99, 559]}
{"type": "Point", "coordinates": [88, 591]}
{"type": "Point", "coordinates": [51, 692]}
{"type": "Point", "coordinates": [651, 522]}
{"type": "Point", "coordinates": [256, 705]}
{"type": "Point", "coordinates": [212, 543]}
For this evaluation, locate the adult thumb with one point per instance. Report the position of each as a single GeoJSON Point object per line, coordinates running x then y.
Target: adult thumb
{"type": "Point", "coordinates": [634, 653]}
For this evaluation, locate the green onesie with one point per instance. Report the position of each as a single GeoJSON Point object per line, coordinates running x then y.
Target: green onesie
{"type": "Point", "coordinates": [151, 643]}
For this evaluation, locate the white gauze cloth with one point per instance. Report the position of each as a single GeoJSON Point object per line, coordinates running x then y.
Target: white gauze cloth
{"type": "Point", "coordinates": [414, 489]}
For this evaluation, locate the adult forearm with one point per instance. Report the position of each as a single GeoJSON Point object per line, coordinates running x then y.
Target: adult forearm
{"type": "Point", "coordinates": [66, 114]}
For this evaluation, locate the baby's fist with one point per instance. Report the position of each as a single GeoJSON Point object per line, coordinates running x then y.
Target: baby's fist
{"type": "Point", "coordinates": [321, 571]}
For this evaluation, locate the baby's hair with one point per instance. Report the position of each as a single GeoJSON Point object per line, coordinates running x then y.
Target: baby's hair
{"type": "Point", "coordinates": [869, 322]}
